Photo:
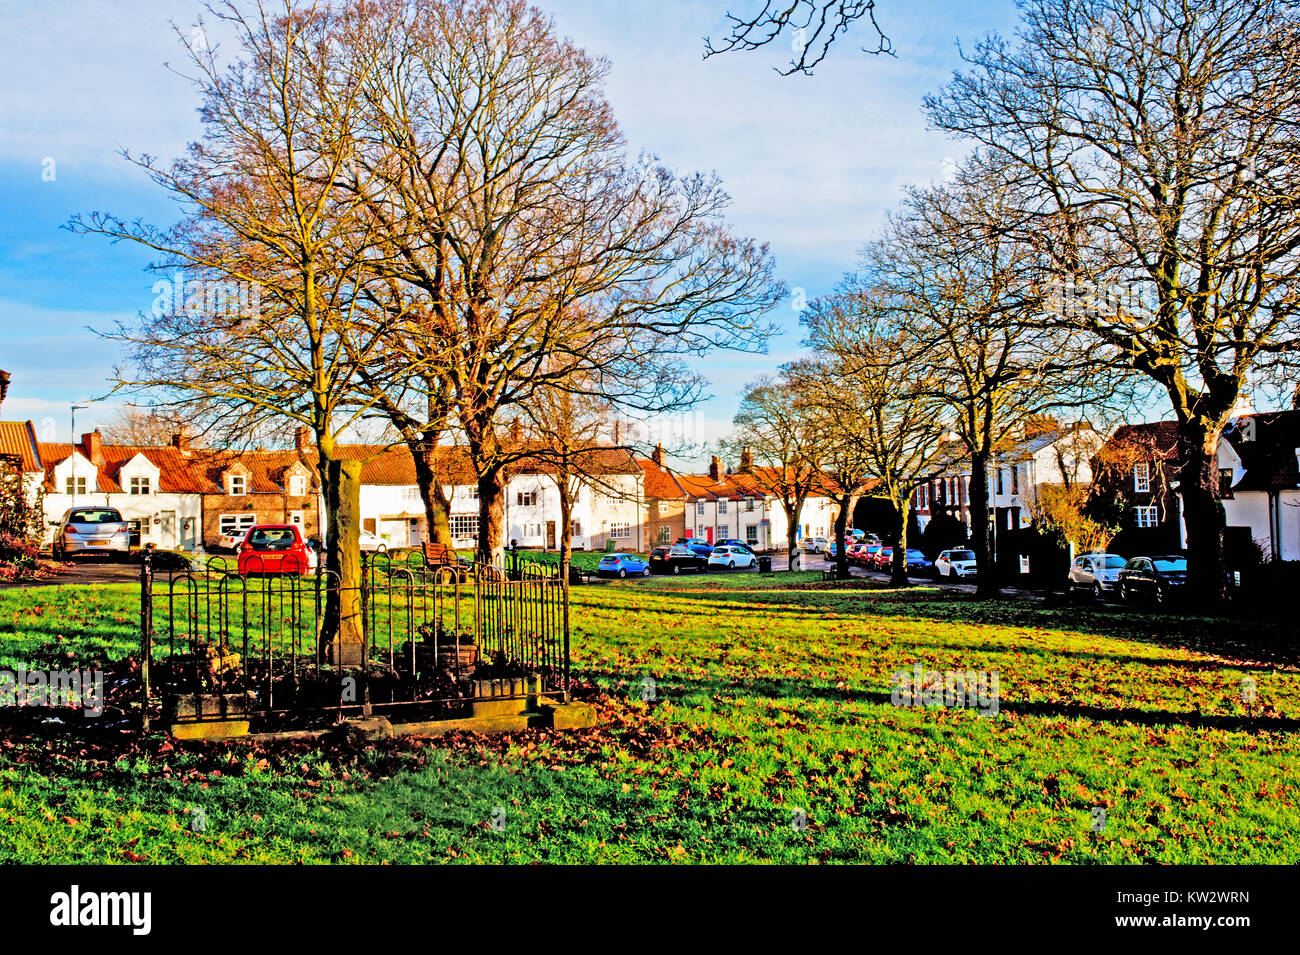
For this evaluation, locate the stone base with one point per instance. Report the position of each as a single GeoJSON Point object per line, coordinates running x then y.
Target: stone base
{"type": "Point", "coordinates": [210, 729]}
{"type": "Point", "coordinates": [344, 654]}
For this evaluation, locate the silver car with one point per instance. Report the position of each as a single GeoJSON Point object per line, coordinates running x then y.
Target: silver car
{"type": "Point", "coordinates": [91, 530]}
{"type": "Point", "coordinates": [1097, 574]}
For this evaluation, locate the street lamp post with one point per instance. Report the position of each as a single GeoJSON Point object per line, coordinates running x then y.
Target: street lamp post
{"type": "Point", "coordinates": [72, 473]}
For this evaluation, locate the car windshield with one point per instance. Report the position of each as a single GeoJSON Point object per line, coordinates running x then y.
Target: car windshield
{"type": "Point", "coordinates": [962, 555]}
{"type": "Point", "coordinates": [1170, 564]}
{"type": "Point", "coordinates": [1110, 562]}
{"type": "Point", "coordinates": [271, 538]}
{"type": "Point", "coordinates": [94, 515]}
{"type": "Point", "coordinates": [914, 554]}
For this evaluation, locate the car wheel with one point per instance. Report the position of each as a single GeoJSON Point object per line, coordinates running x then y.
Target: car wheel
{"type": "Point", "coordinates": [622, 573]}
{"type": "Point", "coordinates": [1123, 594]}
{"type": "Point", "coordinates": [646, 572]}
{"type": "Point", "coordinates": [731, 565]}
{"type": "Point", "coordinates": [677, 568]}
{"type": "Point", "coordinates": [1097, 593]}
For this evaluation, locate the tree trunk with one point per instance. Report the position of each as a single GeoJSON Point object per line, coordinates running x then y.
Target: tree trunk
{"type": "Point", "coordinates": [792, 527]}
{"type": "Point", "coordinates": [491, 517]}
{"type": "Point", "coordinates": [1198, 480]}
{"type": "Point", "coordinates": [437, 506]}
{"type": "Point", "coordinates": [898, 559]}
{"type": "Point", "coordinates": [841, 529]}
{"type": "Point", "coordinates": [341, 633]}
{"type": "Point", "coordinates": [986, 574]}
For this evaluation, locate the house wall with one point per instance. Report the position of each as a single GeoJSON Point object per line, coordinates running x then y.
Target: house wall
{"type": "Point", "coordinates": [664, 513]}
{"type": "Point", "coordinates": [172, 521]}
{"type": "Point", "coordinates": [266, 508]}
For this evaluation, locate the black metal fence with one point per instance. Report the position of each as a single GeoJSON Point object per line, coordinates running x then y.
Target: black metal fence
{"type": "Point", "coordinates": [432, 638]}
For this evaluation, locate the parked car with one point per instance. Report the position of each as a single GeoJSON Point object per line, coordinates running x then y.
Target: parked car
{"type": "Point", "coordinates": [698, 545]}
{"type": "Point", "coordinates": [956, 562]}
{"type": "Point", "coordinates": [881, 559]}
{"type": "Point", "coordinates": [274, 549]}
{"type": "Point", "coordinates": [1097, 574]}
{"type": "Point", "coordinates": [831, 550]}
{"type": "Point", "coordinates": [1157, 579]}
{"type": "Point", "coordinates": [814, 545]}
{"type": "Point", "coordinates": [917, 562]}
{"type": "Point", "coordinates": [674, 558]}
{"type": "Point", "coordinates": [623, 565]}
{"type": "Point", "coordinates": [744, 545]}
{"type": "Point", "coordinates": [372, 543]}
{"type": "Point", "coordinates": [91, 530]}
{"type": "Point", "coordinates": [862, 554]}
{"type": "Point", "coordinates": [730, 556]}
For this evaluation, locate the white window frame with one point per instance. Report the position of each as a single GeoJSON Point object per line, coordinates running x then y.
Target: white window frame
{"type": "Point", "coordinates": [722, 532]}
{"type": "Point", "coordinates": [526, 499]}
{"type": "Point", "coordinates": [140, 486]}
{"type": "Point", "coordinates": [665, 534]}
{"type": "Point", "coordinates": [699, 508]}
{"type": "Point", "coordinates": [297, 485]}
{"type": "Point", "coordinates": [1147, 515]}
{"type": "Point", "coordinates": [242, 480]}
{"type": "Point", "coordinates": [230, 523]}
{"type": "Point", "coordinates": [722, 505]}
{"type": "Point", "coordinates": [751, 533]}
{"type": "Point", "coordinates": [620, 530]}
{"type": "Point", "coordinates": [1142, 477]}
{"type": "Point", "coordinates": [296, 517]}
{"type": "Point", "coordinates": [458, 523]}
{"type": "Point", "coordinates": [74, 484]}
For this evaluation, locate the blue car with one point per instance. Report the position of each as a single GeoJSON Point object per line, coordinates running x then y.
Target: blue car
{"type": "Point", "coordinates": [698, 545]}
{"type": "Point", "coordinates": [623, 565]}
{"type": "Point", "coordinates": [917, 562]}
{"type": "Point", "coordinates": [832, 549]}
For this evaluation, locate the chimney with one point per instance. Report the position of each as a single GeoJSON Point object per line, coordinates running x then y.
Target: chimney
{"type": "Point", "coordinates": [4, 386]}
{"type": "Point", "coordinates": [93, 445]}
{"type": "Point", "coordinates": [300, 438]}
{"type": "Point", "coordinates": [715, 469]}
{"type": "Point", "coordinates": [657, 456]}
{"type": "Point", "coordinates": [746, 460]}
{"type": "Point", "coordinates": [180, 440]}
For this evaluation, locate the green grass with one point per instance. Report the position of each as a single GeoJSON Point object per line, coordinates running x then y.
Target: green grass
{"type": "Point", "coordinates": [772, 700]}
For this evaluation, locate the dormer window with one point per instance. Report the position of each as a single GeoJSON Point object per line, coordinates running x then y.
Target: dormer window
{"type": "Point", "coordinates": [140, 485]}
{"type": "Point", "coordinates": [75, 485]}
{"type": "Point", "coordinates": [236, 485]}
{"type": "Point", "coordinates": [1142, 477]}
{"type": "Point", "coordinates": [297, 485]}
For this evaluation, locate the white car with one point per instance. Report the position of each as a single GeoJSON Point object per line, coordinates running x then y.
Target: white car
{"type": "Point", "coordinates": [732, 557]}
{"type": "Point", "coordinates": [814, 545]}
{"type": "Point", "coordinates": [91, 530]}
{"type": "Point", "coordinates": [371, 543]}
{"type": "Point", "coordinates": [957, 562]}
{"type": "Point", "coordinates": [1098, 574]}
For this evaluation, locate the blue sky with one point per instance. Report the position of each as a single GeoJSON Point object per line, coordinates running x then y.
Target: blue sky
{"type": "Point", "coordinates": [812, 163]}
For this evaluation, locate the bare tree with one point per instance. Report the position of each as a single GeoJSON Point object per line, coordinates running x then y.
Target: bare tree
{"type": "Point", "coordinates": [813, 25]}
{"type": "Point", "coordinates": [146, 426]}
{"type": "Point", "coordinates": [260, 330]}
{"type": "Point", "coordinates": [775, 442]}
{"type": "Point", "coordinates": [1154, 150]}
{"type": "Point", "coordinates": [952, 283]}
{"type": "Point", "coordinates": [542, 256]}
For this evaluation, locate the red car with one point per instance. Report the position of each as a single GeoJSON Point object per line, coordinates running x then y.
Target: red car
{"type": "Point", "coordinates": [273, 549]}
{"type": "Point", "coordinates": [865, 554]}
{"type": "Point", "coordinates": [882, 558]}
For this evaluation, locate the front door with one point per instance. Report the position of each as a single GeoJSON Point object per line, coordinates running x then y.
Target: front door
{"type": "Point", "coordinates": [167, 528]}
{"type": "Point", "coordinates": [550, 535]}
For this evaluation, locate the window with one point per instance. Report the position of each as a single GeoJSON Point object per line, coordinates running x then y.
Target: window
{"type": "Point", "coordinates": [1225, 482]}
{"type": "Point", "coordinates": [620, 530]}
{"type": "Point", "coordinates": [1142, 477]}
{"type": "Point", "coordinates": [236, 485]}
{"type": "Point", "coordinates": [722, 505]}
{"type": "Point", "coordinates": [722, 532]}
{"type": "Point", "coordinates": [464, 526]}
{"type": "Point", "coordinates": [1147, 516]}
{"type": "Point", "coordinates": [749, 503]}
{"type": "Point", "coordinates": [297, 485]}
{"type": "Point", "coordinates": [1015, 479]}
{"type": "Point", "coordinates": [472, 492]}
{"type": "Point", "coordinates": [139, 485]}
{"type": "Point", "coordinates": [532, 530]}
{"type": "Point", "coordinates": [665, 534]}
{"type": "Point", "coordinates": [76, 485]}
{"type": "Point", "coordinates": [699, 507]}
{"type": "Point", "coordinates": [751, 533]}
{"type": "Point", "coordinates": [526, 498]}
{"type": "Point", "coordinates": [920, 496]}
{"type": "Point", "coordinates": [295, 517]}
{"type": "Point", "coordinates": [575, 529]}
{"type": "Point", "coordinates": [230, 524]}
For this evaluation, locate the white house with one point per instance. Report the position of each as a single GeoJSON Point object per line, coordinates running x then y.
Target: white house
{"type": "Point", "coordinates": [155, 489]}
{"type": "Point", "coordinates": [740, 506]}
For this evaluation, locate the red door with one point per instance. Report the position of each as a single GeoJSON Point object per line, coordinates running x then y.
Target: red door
{"type": "Point", "coordinates": [708, 534]}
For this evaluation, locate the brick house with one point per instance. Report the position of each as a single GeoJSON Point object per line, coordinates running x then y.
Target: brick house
{"type": "Point", "coordinates": [665, 502]}
{"type": "Point", "coordinates": [243, 488]}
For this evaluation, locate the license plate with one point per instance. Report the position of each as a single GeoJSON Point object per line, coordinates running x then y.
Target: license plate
{"type": "Point", "coordinates": [98, 543]}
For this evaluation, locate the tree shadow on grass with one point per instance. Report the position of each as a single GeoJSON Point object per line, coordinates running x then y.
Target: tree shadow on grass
{"type": "Point", "coordinates": [776, 688]}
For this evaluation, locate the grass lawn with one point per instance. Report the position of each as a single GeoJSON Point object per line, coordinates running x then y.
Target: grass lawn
{"type": "Point", "coordinates": [772, 738]}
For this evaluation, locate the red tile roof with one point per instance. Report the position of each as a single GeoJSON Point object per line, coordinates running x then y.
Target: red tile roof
{"type": "Point", "coordinates": [18, 440]}
{"type": "Point", "coordinates": [177, 474]}
{"type": "Point", "coordinates": [660, 483]}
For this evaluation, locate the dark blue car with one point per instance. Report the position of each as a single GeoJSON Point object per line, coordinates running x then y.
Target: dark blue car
{"type": "Point", "coordinates": [698, 545]}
